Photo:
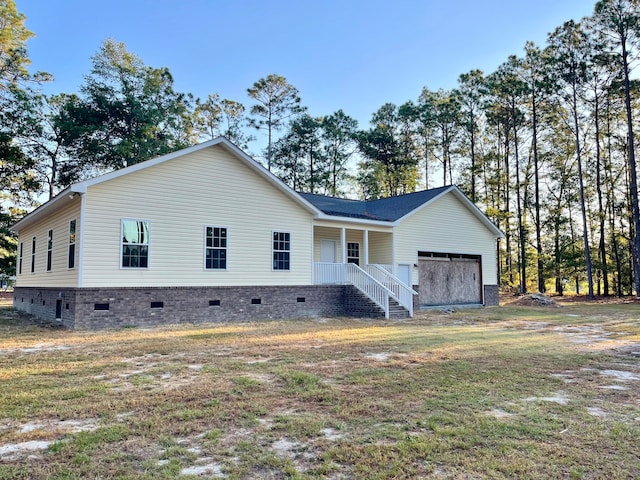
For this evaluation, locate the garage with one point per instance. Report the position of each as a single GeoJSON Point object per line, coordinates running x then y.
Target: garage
{"type": "Point", "coordinates": [449, 279]}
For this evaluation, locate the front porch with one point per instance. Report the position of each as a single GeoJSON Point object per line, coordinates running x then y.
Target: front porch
{"type": "Point", "coordinates": [362, 258]}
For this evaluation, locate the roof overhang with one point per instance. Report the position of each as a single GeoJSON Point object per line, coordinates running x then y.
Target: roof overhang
{"type": "Point", "coordinates": [63, 199]}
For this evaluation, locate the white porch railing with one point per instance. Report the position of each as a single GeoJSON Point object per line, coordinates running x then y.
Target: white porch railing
{"type": "Point", "coordinates": [352, 274]}
{"type": "Point", "coordinates": [402, 293]}
{"type": "Point", "coordinates": [329, 273]}
{"type": "Point", "coordinates": [375, 282]}
{"type": "Point", "coordinates": [388, 268]}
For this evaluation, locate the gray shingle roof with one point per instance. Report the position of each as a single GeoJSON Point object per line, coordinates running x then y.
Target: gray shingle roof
{"type": "Point", "coordinates": [385, 209]}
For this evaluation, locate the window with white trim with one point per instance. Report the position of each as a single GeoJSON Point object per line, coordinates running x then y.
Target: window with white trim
{"type": "Point", "coordinates": [353, 253]}
{"type": "Point", "coordinates": [49, 249]}
{"type": "Point", "coordinates": [281, 250]}
{"type": "Point", "coordinates": [72, 245]}
{"type": "Point", "coordinates": [215, 250]}
{"type": "Point", "coordinates": [20, 258]}
{"type": "Point", "coordinates": [135, 244]}
{"type": "Point", "coordinates": [33, 254]}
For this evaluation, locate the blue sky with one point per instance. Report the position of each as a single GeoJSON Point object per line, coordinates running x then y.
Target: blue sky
{"type": "Point", "coordinates": [355, 55]}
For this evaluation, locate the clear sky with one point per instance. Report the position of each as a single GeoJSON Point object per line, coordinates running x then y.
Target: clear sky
{"type": "Point", "coordinates": [355, 55]}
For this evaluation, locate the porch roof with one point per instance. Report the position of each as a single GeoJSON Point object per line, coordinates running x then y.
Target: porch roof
{"type": "Point", "coordinates": [385, 209]}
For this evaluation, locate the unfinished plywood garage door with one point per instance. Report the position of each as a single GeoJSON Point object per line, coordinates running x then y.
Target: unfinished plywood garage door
{"type": "Point", "coordinates": [449, 279]}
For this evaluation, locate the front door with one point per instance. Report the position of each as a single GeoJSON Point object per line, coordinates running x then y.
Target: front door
{"type": "Point", "coordinates": [328, 251]}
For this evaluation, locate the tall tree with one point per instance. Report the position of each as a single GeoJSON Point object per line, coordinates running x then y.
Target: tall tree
{"type": "Point", "coordinates": [208, 116]}
{"type": "Point", "coordinates": [390, 164]}
{"type": "Point", "coordinates": [441, 115]}
{"type": "Point", "coordinates": [567, 44]}
{"type": "Point", "coordinates": [233, 121]}
{"type": "Point", "coordinates": [618, 22]}
{"type": "Point", "coordinates": [338, 138]}
{"type": "Point", "coordinates": [471, 93]}
{"type": "Point", "coordinates": [277, 101]}
{"type": "Point", "coordinates": [298, 155]}
{"type": "Point", "coordinates": [508, 92]}
{"type": "Point", "coordinates": [539, 85]}
{"type": "Point", "coordinates": [127, 113]}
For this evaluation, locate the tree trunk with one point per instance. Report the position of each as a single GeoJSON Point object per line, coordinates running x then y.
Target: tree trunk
{"type": "Point", "coordinates": [583, 206]}
{"type": "Point", "coordinates": [632, 170]}
{"type": "Point", "coordinates": [536, 172]}
{"type": "Point", "coordinates": [522, 240]}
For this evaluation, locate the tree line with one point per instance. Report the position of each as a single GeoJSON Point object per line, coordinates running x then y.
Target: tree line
{"type": "Point", "coordinates": [544, 145]}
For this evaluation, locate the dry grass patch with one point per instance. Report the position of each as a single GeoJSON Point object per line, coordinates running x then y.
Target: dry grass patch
{"type": "Point", "coordinates": [510, 392]}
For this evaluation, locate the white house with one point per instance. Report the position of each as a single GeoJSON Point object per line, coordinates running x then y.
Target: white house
{"type": "Point", "coordinates": [207, 234]}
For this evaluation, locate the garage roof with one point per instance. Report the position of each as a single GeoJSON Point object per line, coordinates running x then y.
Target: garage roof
{"type": "Point", "coordinates": [385, 209]}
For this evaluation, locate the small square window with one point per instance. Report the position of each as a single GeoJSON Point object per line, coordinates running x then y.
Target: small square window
{"type": "Point", "coordinates": [256, 301]}
{"type": "Point", "coordinates": [214, 303]}
{"type": "Point", "coordinates": [157, 304]}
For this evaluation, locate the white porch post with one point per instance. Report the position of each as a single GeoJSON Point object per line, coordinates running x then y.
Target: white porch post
{"type": "Point", "coordinates": [365, 246]}
{"type": "Point", "coordinates": [343, 242]}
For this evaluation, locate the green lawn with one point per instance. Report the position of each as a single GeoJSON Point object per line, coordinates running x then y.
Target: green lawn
{"type": "Point", "coordinates": [508, 392]}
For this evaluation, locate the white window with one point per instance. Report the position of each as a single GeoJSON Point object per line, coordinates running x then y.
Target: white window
{"type": "Point", "coordinates": [281, 251]}
{"type": "Point", "coordinates": [353, 253]}
{"type": "Point", "coordinates": [215, 250]}
{"type": "Point", "coordinates": [135, 244]}
{"type": "Point", "coordinates": [72, 244]}
{"type": "Point", "coordinates": [33, 254]}
{"type": "Point", "coordinates": [49, 249]}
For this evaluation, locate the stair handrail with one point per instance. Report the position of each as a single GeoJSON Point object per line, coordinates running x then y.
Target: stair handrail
{"type": "Point", "coordinates": [400, 292]}
{"type": "Point", "coordinates": [368, 285]}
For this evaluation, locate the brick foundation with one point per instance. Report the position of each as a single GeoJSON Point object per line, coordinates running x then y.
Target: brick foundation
{"type": "Point", "coordinates": [98, 308]}
{"type": "Point", "coordinates": [491, 295]}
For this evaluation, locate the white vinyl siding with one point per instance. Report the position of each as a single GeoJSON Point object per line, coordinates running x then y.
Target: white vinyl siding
{"type": "Point", "coordinates": [178, 197]}
{"type": "Point", "coordinates": [379, 242]}
{"type": "Point", "coordinates": [446, 226]}
{"type": "Point", "coordinates": [380, 248]}
{"type": "Point", "coordinates": [60, 275]}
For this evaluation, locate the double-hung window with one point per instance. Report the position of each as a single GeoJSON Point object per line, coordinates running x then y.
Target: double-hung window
{"type": "Point", "coordinates": [49, 249]}
{"type": "Point", "coordinates": [215, 254]}
{"type": "Point", "coordinates": [135, 243]}
{"type": "Point", "coordinates": [72, 244]}
{"type": "Point", "coordinates": [281, 251]}
{"type": "Point", "coordinates": [353, 252]}
{"type": "Point", "coordinates": [33, 254]}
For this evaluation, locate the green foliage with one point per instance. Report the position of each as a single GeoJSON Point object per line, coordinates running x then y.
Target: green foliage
{"type": "Point", "coordinates": [128, 113]}
{"type": "Point", "coordinates": [390, 154]}
{"type": "Point", "coordinates": [312, 155]}
{"type": "Point", "coordinates": [277, 101]}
